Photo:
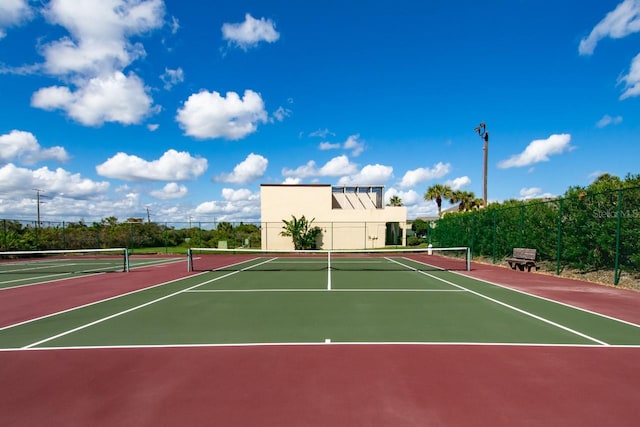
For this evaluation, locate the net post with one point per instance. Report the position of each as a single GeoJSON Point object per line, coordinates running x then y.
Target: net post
{"type": "Point", "coordinates": [189, 260]}
{"type": "Point", "coordinates": [127, 265]}
{"type": "Point", "coordinates": [468, 256]}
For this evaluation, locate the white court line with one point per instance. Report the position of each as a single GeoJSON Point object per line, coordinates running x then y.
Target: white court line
{"type": "Point", "coordinates": [511, 307]}
{"type": "Point", "coordinates": [595, 313]}
{"type": "Point", "coordinates": [318, 290]}
{"type": "Point", "coordinates": [95, 322]}
{"type": "Point", "coordinates": [73, 276]}
{"type": "Point", "coordinates": [322, 343]}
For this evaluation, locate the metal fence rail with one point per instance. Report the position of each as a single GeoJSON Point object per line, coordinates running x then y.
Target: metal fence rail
{"type": "Point", "coordinates": [589, 232]}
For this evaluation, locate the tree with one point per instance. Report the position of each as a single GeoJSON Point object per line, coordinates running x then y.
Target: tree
{"type": "Point", "coordinates": [395, 201]}
{"type": "Point", "coordinates": [301, 232]}
{"type": "Point", "coordinates": [437, 192]}
{"type": "Point", "coordinates": [466, 200]}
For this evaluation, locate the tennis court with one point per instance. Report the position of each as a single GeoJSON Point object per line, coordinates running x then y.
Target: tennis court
{"type": "Point", "coordinates": [270, 339]}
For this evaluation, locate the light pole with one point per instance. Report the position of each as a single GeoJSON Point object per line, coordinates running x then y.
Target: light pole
{"type": "Point", "coordinates": [482, 131]}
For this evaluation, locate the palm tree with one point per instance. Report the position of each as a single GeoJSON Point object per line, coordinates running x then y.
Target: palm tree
{"type": "Point", "coordinates": [395, 201]}
{"type": "Point", "coordinates": [300, 230]}
{"type": "Point", "coordinates": [438, 192]}
{"type": "Point", "coordinates": [466, 200]}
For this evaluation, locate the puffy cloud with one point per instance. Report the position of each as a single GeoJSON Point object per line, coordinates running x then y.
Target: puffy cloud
{"type": "Point", "coordinates": [13, 12]}
{"type": "Point", "coordinates": [236, 205]}
{"type": "Point", "coordinates": [207, 115]}
{"type": "Point", "coordinates": [170, 191]}
{"type": "Point", "coordinates": [16, 180]}
{"type": "Point", "coordinates": [539, 150]}
{"type": "Point", "coordinates": [352, 143]}
{"type": "Point", "coordinates": [99, 30]}
{"type": "Point", "coordinates": [619, 23]}
{"type": "Point", "coordinates": [170, 78]}
{"type": "Point", "coordinates": [369, 175]}
{"type": "Point", "coordinates": [335, 167]}
{"type": "Point", "coordinates": [409, 198]}
{"type": "Point", "coordinates": [607, 120]}
{"type": "Point", "coordinates": [533, 193]}
{"type": "Point", "coordinates": [631, 80]}
{"type": "Point", "coordinates": [458, 183]}
{"type": "Point", "coordinates": [420, 175]}
{"type": "Point", "coordinates": [249, 169]}
{"type": "Point", "coordinates": [23, 146]}
{"type": "Point", "coordinates": [280, 114]}
{"type": "Point", "coordinates": [91, 60]}
{"type": "Point", "coordinates": [172, 166]}
{"type": "Point", "coordinates": [249, 33]}
{"type": "Point", "coordinates": [109, 98]}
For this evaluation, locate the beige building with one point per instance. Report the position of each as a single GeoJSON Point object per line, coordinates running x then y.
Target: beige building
{"type": "Point", "coordinates": [350, 217]}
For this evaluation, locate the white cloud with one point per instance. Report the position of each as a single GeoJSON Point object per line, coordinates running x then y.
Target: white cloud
{"type": "Point", "coordinates": [322, 133]}
{"type": "Point", "coordinates": [98, 34]}
{"type": "Point", "coordinates": [15, 180]}
{"type": "Point", "coordinates": [172, 166]}
{"type": "Point", "coordinates": [242, 194]}
{"type": "Point", "coordinates": [292, 181]}
{"type": "Point", "coordinates": [108, 98]}
{"type": "Point", "coordinates": [23, 146]}
{"type": "Point", "coordinates": [533, 193]}
{"type": "Point", "coordinates": [323, 146]}
{"type": "Point", "coordinates": [91, 59]}
{"type": "Point", "coordinates": [281, 113]}
{"type": "Point", "coordinates": [170, 78]}
{"type": "Point", "coordinates": [352, 143]}
{"type": "Point", "coordinates": [619, 23]}
{"type": "Point", "coordinates": [335, 167]}
{"type": "Point", "coordinates": [249, 33]}
{"type": "Point", "coordinates": [408, 198]}
{"type": "Point", "coordinates": [539, 151]}
{"type": "Point", "coordinates": [13, 12]}
{"type": "Point", "coordinates": [607, 120]}
{"type": "Point", "coordinates": [153, 127]}
{"type": "Point", "coordinates": [632, 80]}
{"type": "Point", "coordinates": [236, 205]}
{"type": "Point", "coordinates": [458, 183]}
{"type": "Point", "coordinates": [207, 115]}
{"type": "Point", "coordinates": [420, 175]}
{"type": "Point", "coordinates": [249, 169]}
{"type": "Point", "coordinates": [369, 175]}
{"type": "Point", "coordinates": [170, 191]}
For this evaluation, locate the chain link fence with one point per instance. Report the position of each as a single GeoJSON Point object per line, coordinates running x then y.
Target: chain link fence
{"type": "Point", "coordinates": [160, 237]}
{"type": "Point", "coordinates": [588, 233]}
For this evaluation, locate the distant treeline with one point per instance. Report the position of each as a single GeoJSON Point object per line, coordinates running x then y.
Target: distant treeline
{"type": "Point", "coordinates": [132, 234]}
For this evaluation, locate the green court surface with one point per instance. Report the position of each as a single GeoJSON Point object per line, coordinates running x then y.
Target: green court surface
{"type": "Point", "coordinates": [289, 306]}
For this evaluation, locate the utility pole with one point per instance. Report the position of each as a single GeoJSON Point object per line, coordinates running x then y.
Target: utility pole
{"type": "Point", "coordinates": [38, 191]}
{"type": "Point", "coordinates": [148, 215]}
{"type": "Point", "coordinates": [482, 131]}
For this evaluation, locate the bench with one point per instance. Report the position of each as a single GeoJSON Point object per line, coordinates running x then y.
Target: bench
{"type": "Point", "coordinates": [522, 258]}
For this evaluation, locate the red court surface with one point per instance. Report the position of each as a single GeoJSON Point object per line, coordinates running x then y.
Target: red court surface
{"type": "Point", "coordinates": [322, 385]}
{"type": "Point", "coordinates": [20, 304]}
{"type": "Point", "coordinates": [622, 304]}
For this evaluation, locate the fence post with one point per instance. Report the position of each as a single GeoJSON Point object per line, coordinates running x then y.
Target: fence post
{"type": "Point", "coordinates": [616, 268]}
{"type": "Point", "coordinates": [495, 231]}
{"type": "Point", "coordinates": [559, 244]}
{"type": "Point", "coordinates": [520, 238]}
{"type": "Point", "coordinates": [4, 235]}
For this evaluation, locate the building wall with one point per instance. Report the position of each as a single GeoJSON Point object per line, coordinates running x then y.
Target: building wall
{"type": "Point", "coordinates": [341, 228]}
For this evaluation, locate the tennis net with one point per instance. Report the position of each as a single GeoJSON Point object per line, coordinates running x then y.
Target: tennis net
{"type": "Point", "coordinates": [422, 259]}
{"type": "Point", "coordinates": [64, 261]}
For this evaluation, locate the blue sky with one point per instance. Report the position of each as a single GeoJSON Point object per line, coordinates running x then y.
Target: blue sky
{"type": "Point", "coordinates": [183, 108]}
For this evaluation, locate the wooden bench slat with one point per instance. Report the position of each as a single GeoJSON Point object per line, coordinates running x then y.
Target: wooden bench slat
{"type": "Point", "coordinates": [523, 258]}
